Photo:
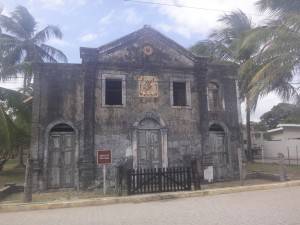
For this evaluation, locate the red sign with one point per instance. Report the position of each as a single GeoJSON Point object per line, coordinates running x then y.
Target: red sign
{"type": "Point", "coordinates": [103, 157]}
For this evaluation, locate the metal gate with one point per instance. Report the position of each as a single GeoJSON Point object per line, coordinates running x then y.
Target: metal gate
{"type": "Point", "coordinates": [141, 181]}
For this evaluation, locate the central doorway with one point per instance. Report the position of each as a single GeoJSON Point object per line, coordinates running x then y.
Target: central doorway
{"type": "Point", "coordinates": [61, 158]}
{"type": "Point", "coordinates": [149, 144]}
{"type": "Point", "coordinates": [218, 149]}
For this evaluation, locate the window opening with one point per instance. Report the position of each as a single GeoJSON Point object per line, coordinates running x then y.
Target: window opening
{"type": "Point", "coordinates": [113, 92]}
{"type": "Point", "coordinates": [179, 94]}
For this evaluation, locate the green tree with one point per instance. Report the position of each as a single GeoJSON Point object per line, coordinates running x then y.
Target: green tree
{"type": "Point", "coordinates": [21, 45]}
{"type": "Point", "coordinates": [232, 43]}
{"type": "Point", "coordinates": [281, 113]}
{"type": "Point", "coordinates": [280, 47]}
{"type": "Point", "coordinates": [15, 117]}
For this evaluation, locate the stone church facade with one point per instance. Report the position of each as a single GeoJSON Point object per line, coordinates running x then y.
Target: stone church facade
{"type": "Point", "coordinates": [145, 98]}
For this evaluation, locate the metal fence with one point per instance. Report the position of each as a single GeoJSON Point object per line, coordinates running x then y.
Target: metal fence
{"type": "Point", "coordinates": [140, 181]}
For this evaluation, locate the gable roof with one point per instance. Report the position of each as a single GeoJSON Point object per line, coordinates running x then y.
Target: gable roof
{"type": "Point", "coordinates": [145, 31]}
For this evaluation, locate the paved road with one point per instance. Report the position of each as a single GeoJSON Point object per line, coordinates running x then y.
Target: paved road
{"type": "Point", "coordinates": [272, 207]}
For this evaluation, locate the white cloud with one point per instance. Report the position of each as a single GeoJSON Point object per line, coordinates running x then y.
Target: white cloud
{"type": "Point", "coordinates": [107, 18]}
{"type": "Point", "coordinates": [265, 104]}
{"type": "Point", "coordinates": [14, 84]}
{"type": "Point", "coordinates": [88, 37]}
{"type": "Point", "coordinates": [59, 43]}
{"type": "Point", "coordinates": [164, 27]}
{"type": "Point", "coordinates": [131, 17]}
{"type": "Point", "coordinates": [188, 21]}
{"type": "Point", "coordinates": [61, 5]}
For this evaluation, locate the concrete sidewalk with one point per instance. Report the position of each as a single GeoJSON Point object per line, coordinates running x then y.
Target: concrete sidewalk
{"type": "Point", "coordinates": [12, 207]}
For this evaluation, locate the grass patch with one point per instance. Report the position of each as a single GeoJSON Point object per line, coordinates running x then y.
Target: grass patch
{"type": "Point", "coordinates": [293, 171]}
{"type": "Point", "coordinates": [54, 196]}
{"type": "Point", "coordinates": [12, 173]}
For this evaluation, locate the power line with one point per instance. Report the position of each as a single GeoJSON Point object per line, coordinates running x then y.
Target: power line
{"type": "Point", "coordinates": [183, 6]}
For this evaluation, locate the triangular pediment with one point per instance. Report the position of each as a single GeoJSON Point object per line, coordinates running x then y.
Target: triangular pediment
{"type": "Point", "coordinates": [143, 46]}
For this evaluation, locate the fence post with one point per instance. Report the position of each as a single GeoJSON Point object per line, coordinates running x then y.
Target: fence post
{"type": "Point", "coordinates": [129, 182]}
{"type": "Point", "coordinates": [288, 151]}
{"type": "Point", "coordinates": [282, 170]}
{"type": "Point", "coordinates": [189, 180]}
{"type": "Point", "coordinates": [297, 155]}
{"type": "Point", "coordinates": [159, 179]}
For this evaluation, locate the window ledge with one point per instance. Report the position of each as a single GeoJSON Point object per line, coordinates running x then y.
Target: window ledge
{"type": "Point", "coordinates": [113, 106]}
{"type": "Point", "coordinates": [181, 107]}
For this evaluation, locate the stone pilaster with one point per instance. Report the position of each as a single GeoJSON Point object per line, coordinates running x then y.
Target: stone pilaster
{"type": "Point", "coordinates": [87, 154]}
{"type": "Point", "coordinates": [200, 71]}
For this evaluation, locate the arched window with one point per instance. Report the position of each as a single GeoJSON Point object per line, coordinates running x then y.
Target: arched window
{"type": "Point", "coordinates": [214, 97]}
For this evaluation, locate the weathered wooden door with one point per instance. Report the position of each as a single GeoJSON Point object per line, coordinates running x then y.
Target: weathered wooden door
{"type": "Point", "coordinates": [218, 149]}
{"type": "Point", "coordinates": [61, 160]}
{"type": "Point", "coordinates": [149, 149]}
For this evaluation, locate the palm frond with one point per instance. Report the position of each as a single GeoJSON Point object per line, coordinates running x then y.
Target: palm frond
{"type": "Point", "coordinates": [47, 33]}
{"type": "Point", "coordinates": [52, 54]}
{"type": "Point", "coordinates": [12, 27]}
{"type": "Point", "coordinates": [25, 20]}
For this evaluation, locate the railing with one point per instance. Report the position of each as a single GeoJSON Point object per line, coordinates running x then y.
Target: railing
{"type": "Point", "coordinates": [140, 181]}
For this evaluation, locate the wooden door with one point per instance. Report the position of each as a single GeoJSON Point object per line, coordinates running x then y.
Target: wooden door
{"type": "Point", "coordinates": [54, 161]}
{"type": "Point", "coordinates": [149, 149]}
{"type": "Point", "coordinates": [67, 166]}
{"type": "Point", "coordinates": [218, 149]}
{"type": "Point", "coordinates": [61, 162]}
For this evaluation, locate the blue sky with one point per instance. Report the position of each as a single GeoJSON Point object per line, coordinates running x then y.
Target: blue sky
{"type": "Point", "coordinates": [92, 23]}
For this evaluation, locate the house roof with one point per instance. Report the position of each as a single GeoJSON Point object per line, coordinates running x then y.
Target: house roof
{"type": "Point", "coordinates": [288, 125]}
{"type": "Point", "coordinates": [146, 30]}
{"type": "Point", "coordinates": [275, 130]}
{"type": "Point", "coordinates": [281, 126]}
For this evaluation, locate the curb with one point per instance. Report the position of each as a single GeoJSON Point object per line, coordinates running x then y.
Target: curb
{"type": "Point", "coordinates": [14, 207]}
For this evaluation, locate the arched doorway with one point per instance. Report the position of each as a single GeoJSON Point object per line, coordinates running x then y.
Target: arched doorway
{"type": "Point", "coordinates": [149, 149]}
{"type": "Point", "coordinates": [218, 149]}
{"type": "Point", "coordinates": [61, 156]}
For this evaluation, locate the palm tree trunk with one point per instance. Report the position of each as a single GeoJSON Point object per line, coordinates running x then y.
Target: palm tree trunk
{"type": "Point", "coordinates": [21, 156]}
{"type": "Point", "coordinates": [248, 131]}
{"type": "Point", "coordinates": [28, 181]}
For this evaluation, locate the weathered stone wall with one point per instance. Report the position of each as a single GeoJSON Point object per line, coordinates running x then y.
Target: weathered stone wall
{"type": "Point", "coordinates": [113, 125]}
{"type": "Point", "coordinates": [60, 93]}
{"type": "Point", "coordinates": [73, 94]}
{"type": "Point", "coordinates": [225, 75]}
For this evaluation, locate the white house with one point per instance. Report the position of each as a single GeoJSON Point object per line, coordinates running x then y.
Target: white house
{"type": "Point", "coordinates": [285, 138]}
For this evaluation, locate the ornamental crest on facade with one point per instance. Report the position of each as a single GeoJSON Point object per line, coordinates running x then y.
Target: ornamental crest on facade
{"type": "Point", "coordinates": [148, 86]}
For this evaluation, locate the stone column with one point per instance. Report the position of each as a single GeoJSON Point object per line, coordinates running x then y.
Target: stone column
{"type": "Point", "coordinates": [200, 71]}
{"type": "Point", "coordinates": [87, 154]}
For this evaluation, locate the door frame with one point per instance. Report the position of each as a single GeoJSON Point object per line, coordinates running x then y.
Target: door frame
{"type": "Point", "coordinates": [163, 138]}
{"type": "Point", "coordinates": [159, 146]}
{"type": "Point", "coordinates": [44, 180]}
{"type": "Point", "coordinates": [227, 137]}
{"type": "Point", "coordinates": [62, 135]}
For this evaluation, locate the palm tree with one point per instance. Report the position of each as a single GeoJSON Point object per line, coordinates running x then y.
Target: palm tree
{"type": "Point", "coordinates": [21, 45]}
{"type": "Point", "coordinates": [232, 43]}
{"type": "Point", "coordinates": [280, 45]}
{"type": "Point", "coordinates": [224, 44]}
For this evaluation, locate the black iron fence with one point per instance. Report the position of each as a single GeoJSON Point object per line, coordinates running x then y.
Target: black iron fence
{"type": "Point", "coordinates": [140, 181]}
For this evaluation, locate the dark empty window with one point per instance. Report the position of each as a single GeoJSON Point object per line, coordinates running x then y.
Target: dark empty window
{"type": "Point", "coordinates": [179, 93]}
{"type": "Point", "coordinates": [113, 92]}
{"type": "Point", "coordinates": [214, 102]}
